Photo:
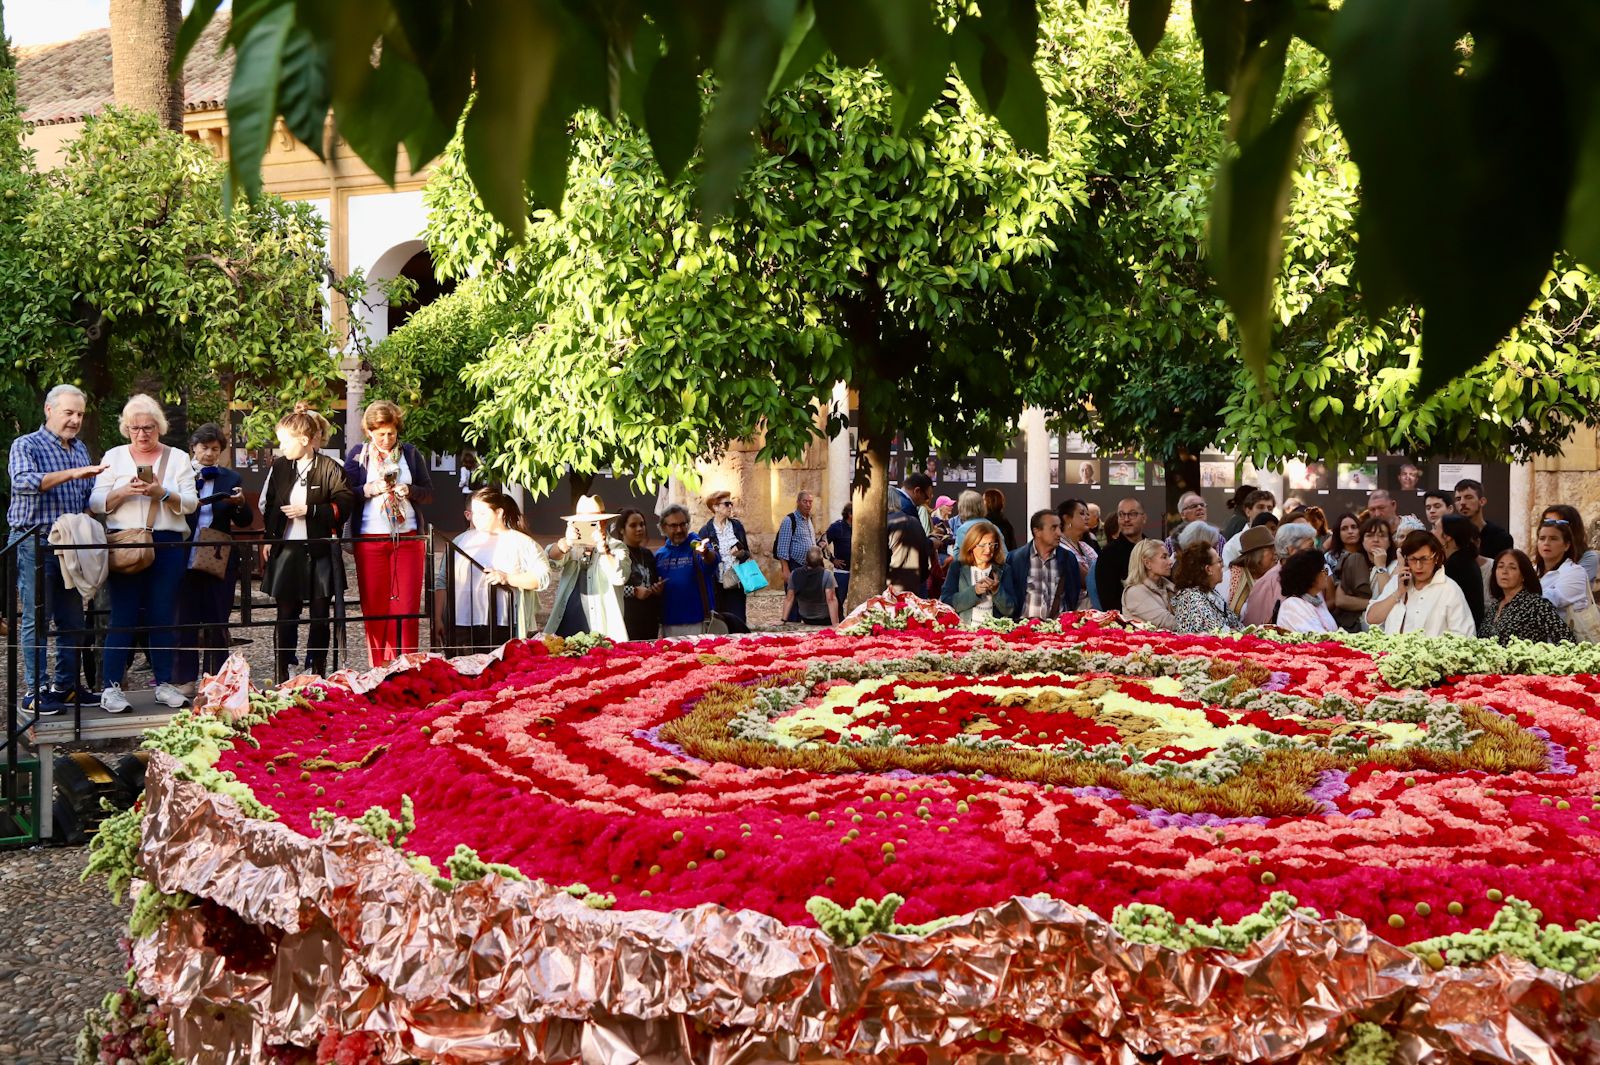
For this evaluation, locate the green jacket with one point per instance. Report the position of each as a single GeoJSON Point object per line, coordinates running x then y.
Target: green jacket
{"type": "Point", "coordinates": [605, 576]}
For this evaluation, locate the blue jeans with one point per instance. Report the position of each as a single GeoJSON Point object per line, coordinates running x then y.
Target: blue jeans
{"type": "Point", "coordinates": [150, 598]}
{"type": "Point", "coordinates": [61, 606]}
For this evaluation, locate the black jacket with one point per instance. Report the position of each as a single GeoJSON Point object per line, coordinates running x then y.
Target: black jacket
{"type": "Point", "coordinates": [216, 491]}
{"type": "Point", "coordinates": [329, 500]}
{"type": "Point", "coordinates": [708, 531]}
{"type": "Point", "coordinates": [1111, 570]}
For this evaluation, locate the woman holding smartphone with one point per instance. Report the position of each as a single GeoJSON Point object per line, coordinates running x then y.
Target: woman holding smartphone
{"type": "Point", "coordinates": [1422, 598]}
{"type": "Point", "coordinates": [145, 485]}
{"type": "Point", "coordinates": [305, 501]}
{"type": "Point", "coordinates": [391, 481]}
{"type": "Point", "coordinates": [593, 570]}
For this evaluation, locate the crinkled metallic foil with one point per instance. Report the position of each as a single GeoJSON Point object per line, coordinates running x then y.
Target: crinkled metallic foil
{"type": "Point", "coordinates": [502, 971]}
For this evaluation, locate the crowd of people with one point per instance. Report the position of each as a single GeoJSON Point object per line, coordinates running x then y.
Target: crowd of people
{"type": "Point", "coordinates": [159, 525]}
{"type": "Point", "coordinates": [1448, 570]}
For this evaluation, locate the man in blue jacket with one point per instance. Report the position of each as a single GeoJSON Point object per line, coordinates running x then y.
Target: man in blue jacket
{"type": "Point", "coordinates": [688, 565]}
{"type": "Point", "coordinates": [1041, 576]}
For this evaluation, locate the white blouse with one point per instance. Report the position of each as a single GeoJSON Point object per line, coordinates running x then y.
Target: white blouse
{"type": "Point", "coordinates": [1435, 608]}
{"type": "Point", "coordinates": [374, 517]}
{"type": "Point", "coordinates": [1566, 585]}
{"type": "Point", "coordinates": [178, 478]}
{"type": "Point", "coordinates": [1301, 613]}
{"type": "Point", "coordinates": [983, 610]}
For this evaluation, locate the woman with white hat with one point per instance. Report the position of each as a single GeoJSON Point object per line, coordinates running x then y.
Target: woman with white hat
{"type": "Point", "coordinates": [593, 569]}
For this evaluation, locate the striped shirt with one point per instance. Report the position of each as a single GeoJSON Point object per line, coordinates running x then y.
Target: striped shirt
{"type": "Point", "coordinates": [1043, 573]}
{"type": "Point", "coordinates": [34, 455]}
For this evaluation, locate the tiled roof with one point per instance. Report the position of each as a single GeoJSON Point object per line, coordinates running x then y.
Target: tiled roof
{"type": "Point", "coordinates": [69, 81]}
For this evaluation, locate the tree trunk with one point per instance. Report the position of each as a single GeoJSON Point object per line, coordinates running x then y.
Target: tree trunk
{"type": "Point", "coordinates": [869, 495]}
{"type": "Point", "coordinates": [94, 370]}
{"type": "Point", "coordinates": [1183, 475]}
{"type": "Point", "coordinates": [143, 37]}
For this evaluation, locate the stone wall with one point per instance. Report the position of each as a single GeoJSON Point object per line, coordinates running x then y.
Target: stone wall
{"type": "Point", "coordinates": [765, 493]}
{"type": "Point", "coordinates": [1572, 477]}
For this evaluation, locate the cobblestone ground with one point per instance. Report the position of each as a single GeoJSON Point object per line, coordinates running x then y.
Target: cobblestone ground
{"type": "Point", "coordinates": [59, 951]}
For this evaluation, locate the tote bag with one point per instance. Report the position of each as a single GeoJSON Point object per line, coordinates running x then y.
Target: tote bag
{"type": "Point", "coordinates": [750, 575]}
{"type": "Point", "coordinates": [1584, 617]}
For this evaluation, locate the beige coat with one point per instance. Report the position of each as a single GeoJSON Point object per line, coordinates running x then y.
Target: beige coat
{"type": "Point", "coordinates": [81, 571]}
{"type": "Point", "coordinates": [1151, 604]}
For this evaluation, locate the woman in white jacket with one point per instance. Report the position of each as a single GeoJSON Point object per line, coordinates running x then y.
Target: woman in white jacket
{"type": "Point", "coordinates": [1562, 578]}
{"type": "Point", "coordinates": [145, 484]}
{"type": "Point", "coordinates": [1423, 599]}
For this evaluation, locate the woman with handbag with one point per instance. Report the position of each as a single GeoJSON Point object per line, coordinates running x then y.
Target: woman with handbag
{"type": "Point", "coordinates": [305, 502]}
{"type": "Point", "coordinates": [727, 533]}
{"type": "Point", "coordinates": [144, 492]}
{"type": "Point", "coordinates": [205, 596]}
{"type": "Point", "coordinates": [1563, 581]}
{"type": "Point", "coordinates": [391, 481]}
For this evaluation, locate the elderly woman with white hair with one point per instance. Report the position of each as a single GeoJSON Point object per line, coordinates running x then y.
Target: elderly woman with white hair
{"type": "Point", "coordinates": [145, 492]}
{"type": "Point", "coordinates": [1262, 606]}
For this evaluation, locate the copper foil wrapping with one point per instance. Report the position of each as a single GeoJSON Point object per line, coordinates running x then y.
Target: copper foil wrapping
{"type": "Point", "coordinates": [501, 971]}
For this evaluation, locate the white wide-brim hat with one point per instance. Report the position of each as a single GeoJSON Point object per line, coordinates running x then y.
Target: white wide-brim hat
{"type": "Point", "coordinates": [589, 509]}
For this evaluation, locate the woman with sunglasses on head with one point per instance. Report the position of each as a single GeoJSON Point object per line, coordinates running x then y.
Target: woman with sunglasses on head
{"type": "Point", "coordinates": [1516, 609]}
{"type": "Point", "coordinates": [733, 547]}
{"type": "Point", "coordinates": [1421, 599]}
{"type": "Point", "coordinates": [1563, 581]}
{"type": "Point", "coordinates": [1588, 557]}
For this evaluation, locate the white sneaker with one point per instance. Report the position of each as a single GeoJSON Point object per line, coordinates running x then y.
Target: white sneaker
{"type": "Point", "coordinates": [112, 701]}
{"type": "Point", "coordinates": [167, 695]}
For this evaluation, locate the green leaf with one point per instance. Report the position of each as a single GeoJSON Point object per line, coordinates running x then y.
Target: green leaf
{"type": "Point", "coordinates": [253, 99]}
{"type": "Point", "coordinates": [1246, 236]}
{"type": "Point", "coordinates": [1583, 210]}
{"type": "Point", "coordinates": [851, 29]}
{"type": "Point", "coordinates": [552, 151]}
{"type": "Point", "coordinates": [303, 88]}
{"type": "Point", "coordinates": [1411, 115]}
{"type": "Point", "coordinates": [672, 110]}
{"type": "Point", "coordinates": [517, 45]}
{"type": "Point", "coordinates": [388, 109]}
{"type": "Point", "coordinates": [746, 57]}
{"type": "Point", "coordinates": [194, 24]}
{"type": "Point", "coordinates": [802, 51]}
{"type": "Point", "coordinates": [1221, 26]}
{"type": "Point", "coordinates": [1255, 90]}
{"type": "Point", "coordinates": [1147, 21]}
{"type": "Point", "coordinates": [1024, 111]}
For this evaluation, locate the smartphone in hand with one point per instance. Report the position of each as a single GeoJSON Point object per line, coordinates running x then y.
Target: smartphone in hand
{"type": "Point", "coordinates": [145, 473]}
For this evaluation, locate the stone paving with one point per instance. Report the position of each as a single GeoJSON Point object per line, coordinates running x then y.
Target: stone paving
{"type": "Point", "coordinates": [59, 952]}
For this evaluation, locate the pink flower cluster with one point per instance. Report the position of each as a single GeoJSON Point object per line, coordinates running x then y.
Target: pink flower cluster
{"type": "Point", "coordinates": [547, 763]}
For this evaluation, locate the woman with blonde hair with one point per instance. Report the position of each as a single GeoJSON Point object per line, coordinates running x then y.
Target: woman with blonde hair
{"type": "Point", "coordinates": [1147, 593]}
{"type": "Point", "coordinates": [969, 507]}
{"type": "Point", "coordinates": [390, 481]}
{"type": "Point", "coordinates": [972, 583]}
{"type": "Point", "coordinates": [146, 489]}
{"type": "Point", "coordinates": [305, 502]}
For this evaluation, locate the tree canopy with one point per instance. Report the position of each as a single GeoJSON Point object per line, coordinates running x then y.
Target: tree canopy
{"type": "Point", "coordinates": [1148, 356]}
{"type": "Point", "coordinates": [1500, 96]}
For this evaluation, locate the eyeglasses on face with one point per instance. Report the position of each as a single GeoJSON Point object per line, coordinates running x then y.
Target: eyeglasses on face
{"type": "Point", "coordinates": [1421, 560]}
{"type": "Point", "coordinates": [151, 429]}
{"type": "Point", "coordinates": [726, 503]}
{"type": "Point", "coordinates": [987, 545]}
{"type": "Point", "coordinates": [1130, 513]}
{"type": "Point", "coordinates": [676, 525]}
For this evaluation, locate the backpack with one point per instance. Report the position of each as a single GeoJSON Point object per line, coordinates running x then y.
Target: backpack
{"type": "Point", "coordinates": [792, 526]}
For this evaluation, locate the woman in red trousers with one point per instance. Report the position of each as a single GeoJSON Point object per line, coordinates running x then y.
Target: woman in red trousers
{"type": "Point", "coordinates": [390, 480]}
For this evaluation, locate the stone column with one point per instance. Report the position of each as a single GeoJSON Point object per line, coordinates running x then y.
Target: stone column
{"type": "Point", "coordinates": [1036, 438]}
{"type": "Point", "coordinates": [1520, 503]}
{"type": "Point", "coordinates": [841, 465]}
{"type": "Point", "coordinates": [355, 397]}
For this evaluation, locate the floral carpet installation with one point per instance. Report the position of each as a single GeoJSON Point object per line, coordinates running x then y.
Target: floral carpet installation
{"type": "Point", "coordinates": [1148, 777]}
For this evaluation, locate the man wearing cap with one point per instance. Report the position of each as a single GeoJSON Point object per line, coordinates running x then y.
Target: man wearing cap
{"type": "Point", "coordinates": [593, 568]}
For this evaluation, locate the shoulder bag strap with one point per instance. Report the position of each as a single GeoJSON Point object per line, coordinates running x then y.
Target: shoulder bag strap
{"type": "Point", "coordinates": [161, 476]}
{"type": "Point", "coordinates": [700, 585]}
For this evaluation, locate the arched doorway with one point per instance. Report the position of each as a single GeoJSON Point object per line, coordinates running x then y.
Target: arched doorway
{"type": "Point", "coordinates": [419, 269]}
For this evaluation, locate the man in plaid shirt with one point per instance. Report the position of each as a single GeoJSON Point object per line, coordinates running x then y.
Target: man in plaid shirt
{"type": "Point", "coordinates": [51, 475]}
{"type": "Point", "coordinates": [1041, 576]}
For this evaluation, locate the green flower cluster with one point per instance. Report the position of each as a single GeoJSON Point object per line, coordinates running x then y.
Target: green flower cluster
{"type": "Point", "coordinates": [1368, 1044]}
{"type": "Point", "coordinates": [1414, 660]}
{"type": "Point", "coordinates": [847, 927]}
{"type": "Point", "coordinates": [1142, 922]}
{"type": "Point", "coordinates": [1515, 930]}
